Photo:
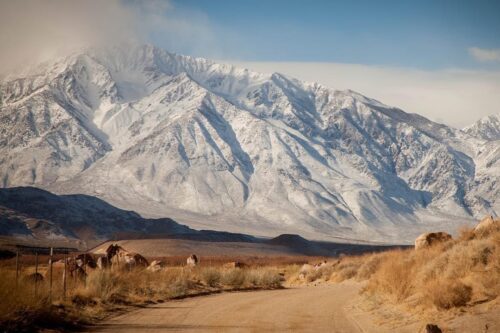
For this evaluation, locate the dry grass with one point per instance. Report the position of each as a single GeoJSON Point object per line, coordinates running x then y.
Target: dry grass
{"type": "Point", "coordinates": [447, 294]}
{"type": "Point", "coordinates": [454, 274]}
{"type": "Point", "coordinates": [253, 261]}
{"type": "Point", "coordinates": [394, 276]}
{"type": "Point", "coordinates": [104, 291]}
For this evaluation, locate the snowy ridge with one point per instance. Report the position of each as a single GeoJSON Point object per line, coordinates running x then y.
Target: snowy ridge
{"type": "Point", "coordinates": [221, 147]}
{"type": "Point", "coordinates": [487, 128]}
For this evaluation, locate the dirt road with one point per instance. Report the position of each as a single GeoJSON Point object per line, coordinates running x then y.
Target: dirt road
{"type": "Point", "coordinates": [310, 309]}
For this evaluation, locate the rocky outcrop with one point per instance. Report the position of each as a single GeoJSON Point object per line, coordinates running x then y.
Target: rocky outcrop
{"type": "Point", "coordinates": [431, 238]}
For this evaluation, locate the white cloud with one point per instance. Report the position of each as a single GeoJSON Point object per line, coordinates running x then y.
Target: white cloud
{"type": "Point", "coordinates": [33, 30]}
{"type": "Point", "coordinates": [454, 97]}
{"type": "Point", "coordinates": [37, 30]}
{"type": "Point", "coordinates": [485, 55]}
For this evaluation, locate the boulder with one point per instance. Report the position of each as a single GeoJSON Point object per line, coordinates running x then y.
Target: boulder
{"type": "Point", "coordinates": [34, 277]}
{"type": "Point", "coordinates": [486, 225]}
{"type": "Point", "coordinates": [304, 270]}
{"type": "Point", "coordinates": [103, 263]}
{"type": "Point", "coordinates": [192, 260]}
{"type": "Point", "coordinates": [155, 266]}
{"type": "Point", "coordinates": [321, 265]}
{"type": "Point", "coordinates": [234, 264]}
{"type": "Point", "coordinates": [431, 238]}
{"type": "Point", "coordinates": [431, 328]}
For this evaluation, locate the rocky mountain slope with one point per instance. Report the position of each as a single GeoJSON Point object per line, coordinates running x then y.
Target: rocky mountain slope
{"type": "Point", "coordinates": [37, 213]}
{"type": "Point", "coordinates": [227, 148]}
{"type": "Point", "coordinates": [31, 213]}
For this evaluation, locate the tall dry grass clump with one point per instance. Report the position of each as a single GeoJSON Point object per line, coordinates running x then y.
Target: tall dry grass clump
{"type": "Point", "coordinates": [211, 277]}
{"type": "Point", "coordinates": [447, 294]}
{"type": "Point", "coordinates": [394, 275]}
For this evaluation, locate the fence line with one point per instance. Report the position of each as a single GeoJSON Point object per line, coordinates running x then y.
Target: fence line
{"type": "Point", "coordinates": [35, 278]}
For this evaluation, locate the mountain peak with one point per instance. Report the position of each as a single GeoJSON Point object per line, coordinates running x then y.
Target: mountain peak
{"type": "Point", "coordinates": [486, 128]}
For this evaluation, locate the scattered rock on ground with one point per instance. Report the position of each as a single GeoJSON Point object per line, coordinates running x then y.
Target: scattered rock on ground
{"type": "Point", "coordinates": [431, 238]}
{"type": "Point", "coordinates": [431, 328]}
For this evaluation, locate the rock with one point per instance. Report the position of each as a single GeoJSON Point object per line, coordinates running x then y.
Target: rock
{"type": "Point", "coordinates": [234, 264]}
{"type": "Point", "coordinates": [431, 238]}
{"type": "Point", "coordinates": [431, 328]}
{"type": "Point", "coordinates": [321, 265]}
{"type": "Point", "coordinates": [304, 270]}
{"type": "Point", "coordinates": [103, 263]}
{"type": "Point", "coordinates": [156, 266]}
{"type": "Point", "coordinates": [192, 260]}
{"type": "Point", "coordinates": [486, 225]}
{"type": "Point", "coordinates": [34, 277]}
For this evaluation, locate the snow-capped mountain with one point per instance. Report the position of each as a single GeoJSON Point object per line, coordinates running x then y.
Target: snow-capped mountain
{"type": "Point", "coordinates": [227, 148]}
{"type": "Point", "coordinates": [487, 128]}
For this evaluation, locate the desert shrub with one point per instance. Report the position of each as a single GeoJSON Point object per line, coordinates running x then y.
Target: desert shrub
{"type": "Point", "coordinates": [458, 261]}
{"type": "Point", "coordinates": [369, 266]}
{"type": "Point", "coordinates": [345, 270]}
{"type": "Point", "coordinates": [323, 272]}
{"type": "Point", "coordinates": [446, 293]}
{"type": "Point", "coordinates": [394, 276]}
{"type": "Point", "coordinates": [466, 234]}
{"type": "Point", "coordinates": [264, 277]}
{"type": "Point", "coordinates": [178, 288]}
{"type": "Point", "coordinates": [100, 284]}
{"type": "Point", "coordinates": [211, 276]}
{"type": "Point", "coordinates": [234, 277]}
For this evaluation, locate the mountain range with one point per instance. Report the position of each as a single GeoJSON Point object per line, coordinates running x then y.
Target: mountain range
{"type": "Point", "coordinates": [33, 215]}
{"type": "Point", "coordinates": [225, 148]}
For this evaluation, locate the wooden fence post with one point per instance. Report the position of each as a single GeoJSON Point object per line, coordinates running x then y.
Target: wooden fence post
{"type": "Point", "coordinates": [36, 274]}
{"type": "Point", "coordinates": [74, 271]}
{"type": "Point", "coordinates": [64, 275]}
{"type": "Point", "coordinates": [17, 268]}
{"type": "Point", "coordinates": [50, 273]}
{"type": "Point", "coordinates": [84, 270]}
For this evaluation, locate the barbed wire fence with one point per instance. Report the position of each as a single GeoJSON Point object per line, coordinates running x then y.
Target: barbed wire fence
{"type": "Point", "coordinates": [37, 278]}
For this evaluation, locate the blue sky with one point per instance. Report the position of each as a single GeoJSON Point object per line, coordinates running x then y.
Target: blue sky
{"type": "Point", "coordinates": [440, 59]}
{"type": "Point", "coordinates": [416, 34]}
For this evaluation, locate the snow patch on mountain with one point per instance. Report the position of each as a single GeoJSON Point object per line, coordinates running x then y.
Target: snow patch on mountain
{"type": "Point", "coordinates": [487, 128]}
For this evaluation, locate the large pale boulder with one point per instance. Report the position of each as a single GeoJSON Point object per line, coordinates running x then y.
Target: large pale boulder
{"type": "Point", "coordinates": [304, 270]}
{"type": "Point", "coordinates": [156, 266]}
{"type": "Point", "coordinates": [486, 225]}
{"type": "Point", "coordinates": [192, 260]}
{"type": "Point", "coordinates": [431, 238]}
